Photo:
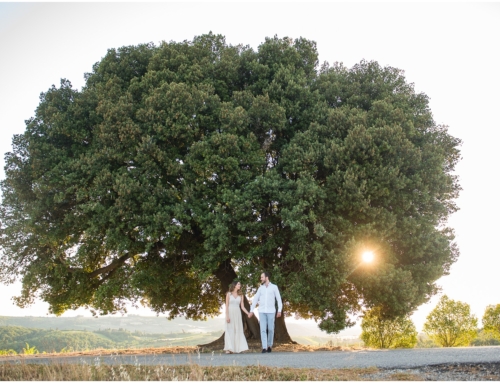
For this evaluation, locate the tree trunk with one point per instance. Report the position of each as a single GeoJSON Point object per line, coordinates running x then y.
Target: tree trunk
{"type": "Point", "coordinates": [280, 331]}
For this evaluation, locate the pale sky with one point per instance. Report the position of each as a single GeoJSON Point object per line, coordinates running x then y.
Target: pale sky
{"type": "Point", "coordinates": [448, 50]}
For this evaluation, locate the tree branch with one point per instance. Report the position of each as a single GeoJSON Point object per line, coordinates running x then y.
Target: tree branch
{"type": "Point", "coordinates": [113, 265]}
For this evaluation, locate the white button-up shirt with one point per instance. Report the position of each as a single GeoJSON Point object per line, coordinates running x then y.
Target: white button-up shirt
{"type": "Point", "coordinates": [265, 299]}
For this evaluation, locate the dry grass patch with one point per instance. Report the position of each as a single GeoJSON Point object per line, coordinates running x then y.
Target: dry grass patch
{"type": "Point", "coordinates": [103, 352]}
{"type": "Point", "coordinates": [404, 376]}
{"type": "Point", "coordinates": [75, 372]}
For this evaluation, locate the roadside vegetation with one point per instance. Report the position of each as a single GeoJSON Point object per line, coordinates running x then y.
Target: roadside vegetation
{"type": "Point", "coordinates": [27, 372]}
{"type": "Point", "coordinates": [449, 324]}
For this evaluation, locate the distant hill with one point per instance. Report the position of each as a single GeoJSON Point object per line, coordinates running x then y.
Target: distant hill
{"type": "Point", "coordinates": [49, 340]}
{"type": "Point", "coordinates": [154, 331]}
{"type": "Point", "coordinates": [149, 324]}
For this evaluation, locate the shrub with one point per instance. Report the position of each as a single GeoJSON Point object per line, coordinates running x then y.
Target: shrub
{"type": "Point", "coordinates": [29, 350]}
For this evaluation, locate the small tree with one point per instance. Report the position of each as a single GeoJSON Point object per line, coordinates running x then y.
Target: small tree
{"type": "Point", "coordinates": [451, 323]}
{"type": "Point", "coordinates": [29, 350]}
{"type": "Point", "coordinates": [380, 332]}
{"type": "Point", "coordinates": [491, 321]}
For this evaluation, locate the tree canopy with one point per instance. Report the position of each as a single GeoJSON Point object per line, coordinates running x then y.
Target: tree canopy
{"type": "Point", "coordinates": [451, 323]}
{"type": "Point", "coordinates": [491, 320]}
{"type": "Point", "coordinates": [179, 166]}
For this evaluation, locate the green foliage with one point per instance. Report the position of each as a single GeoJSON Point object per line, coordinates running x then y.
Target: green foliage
{"type": "Point", "coordinates": [76, 340]}
{"type": "Point", "coordinates": [178, 164]}
{"type": "Point", "coordinates": [485, 338]}
{"type": "Point", "coordinates": [10, 333]}
{"type": "Point", "coordinates": [8, 352]}
{"type": "Point", "coordinates": [425, 342]}
{"type": "Point", "coordinates": [29, 350]}
{"type": "Point", "coordinates": [381, 332]}
{"type": "Point", "coordinates": [13, 338]}
{"type": "Point", "coordinates": [491, 321]}
{"type": "Point", "coordinates": [451, 323]}
{"type": "Point", "coordinates": [16, 337]}
{"type": "Point", "coordinates": [116, 336]}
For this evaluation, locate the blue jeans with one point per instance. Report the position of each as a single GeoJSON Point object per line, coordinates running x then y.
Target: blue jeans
{"type": "Point", "coordinates": [267, 329]}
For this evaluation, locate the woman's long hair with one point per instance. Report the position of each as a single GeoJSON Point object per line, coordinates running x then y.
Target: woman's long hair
{"type": "Point", "coordinates": [232, 286]}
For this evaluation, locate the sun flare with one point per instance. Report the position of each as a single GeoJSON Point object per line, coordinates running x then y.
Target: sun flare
{"type": "Point", "coordinates": [368, 256]}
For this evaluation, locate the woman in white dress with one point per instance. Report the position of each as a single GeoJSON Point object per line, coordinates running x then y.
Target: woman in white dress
{"type": "Point", "coordinates": [234, 338]}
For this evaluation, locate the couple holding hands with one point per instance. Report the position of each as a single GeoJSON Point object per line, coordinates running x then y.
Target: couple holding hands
{"type": "Point", "coordinates": [267, 294]}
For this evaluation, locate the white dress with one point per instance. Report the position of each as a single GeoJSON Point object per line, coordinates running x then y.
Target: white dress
{"type": "Point", "coordinates": [234, 338]}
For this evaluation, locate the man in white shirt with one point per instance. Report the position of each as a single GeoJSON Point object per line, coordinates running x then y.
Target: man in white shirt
{"type": "Point", "coordinates": [266, 296]}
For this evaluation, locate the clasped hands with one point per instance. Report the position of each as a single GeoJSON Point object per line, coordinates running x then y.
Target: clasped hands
{"type": "Point", "coordinates": [251, 315]}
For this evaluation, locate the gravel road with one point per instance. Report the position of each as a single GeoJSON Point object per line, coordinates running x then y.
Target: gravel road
{"type": "Point", "coordinates": [383, 359]}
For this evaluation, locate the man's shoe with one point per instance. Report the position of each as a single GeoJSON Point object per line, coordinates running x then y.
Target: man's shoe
{"type": "Point", "coordinates": [264, 350]}
{"type": "Point", "coordinates": [269, 349]}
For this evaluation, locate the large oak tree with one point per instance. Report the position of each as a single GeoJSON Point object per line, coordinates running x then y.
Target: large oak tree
{"type": "Point", "coordinates": [179, 167]}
